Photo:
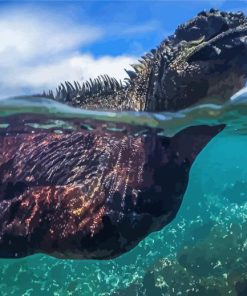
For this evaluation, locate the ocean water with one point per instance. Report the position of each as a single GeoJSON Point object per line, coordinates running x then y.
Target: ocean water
{"type": "Point", "coordinates": [203, 251]}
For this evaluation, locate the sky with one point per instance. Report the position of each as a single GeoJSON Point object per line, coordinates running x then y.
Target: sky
{"type": "Point", "coordinates": [45, 43]}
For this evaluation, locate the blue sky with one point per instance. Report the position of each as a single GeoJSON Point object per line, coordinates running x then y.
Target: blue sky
{"type": "Point", "coordinates": [44, 43]}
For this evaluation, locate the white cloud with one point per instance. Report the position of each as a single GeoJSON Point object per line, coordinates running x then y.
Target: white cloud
{"type": "Point", "coordinates": [31, 34]}
{"type": "Point", "coordinates": [38, 50]}
{"type": "Point", "coordinates": [29, 38]}
{"type": "Point", "coordinates": [72, 68]}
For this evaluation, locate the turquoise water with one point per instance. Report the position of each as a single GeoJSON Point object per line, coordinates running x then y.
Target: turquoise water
{"type": "Point", "coordinates": [203, 251]}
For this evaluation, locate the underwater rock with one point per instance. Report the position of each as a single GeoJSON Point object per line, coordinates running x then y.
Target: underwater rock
{"type": "Point", "coordinates": [91, 194]}
{"type": "Point", "coordinates": [215, 265]}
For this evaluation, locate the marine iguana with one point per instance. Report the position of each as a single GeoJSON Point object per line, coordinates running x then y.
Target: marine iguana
{"type": "Point", "coordinates": [96, 194]}
{"type": "Point", "coordinates": [203, 61]}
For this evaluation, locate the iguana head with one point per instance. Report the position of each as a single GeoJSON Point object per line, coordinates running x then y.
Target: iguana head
{"type": "Point", "coordinates": [204, 61]}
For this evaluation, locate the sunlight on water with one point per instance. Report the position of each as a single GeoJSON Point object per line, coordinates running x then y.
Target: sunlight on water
{"type": "Point", "coordinates": [203, 251]}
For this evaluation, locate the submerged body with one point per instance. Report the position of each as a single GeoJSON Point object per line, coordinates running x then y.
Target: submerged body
{"type": "Point", "coordinates": [91, 194]}
{"type": "Point", "coordinates": [96, 194]}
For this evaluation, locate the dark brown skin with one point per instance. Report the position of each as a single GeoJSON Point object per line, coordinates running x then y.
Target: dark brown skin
{"type": "Point", "coordinates": [91, 195]}
{"type": "Point", "coordinates": [96, 194]}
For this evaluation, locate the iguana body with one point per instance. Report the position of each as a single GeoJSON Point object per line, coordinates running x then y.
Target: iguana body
{"type": "Point", "coordinates": [96, 194]}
